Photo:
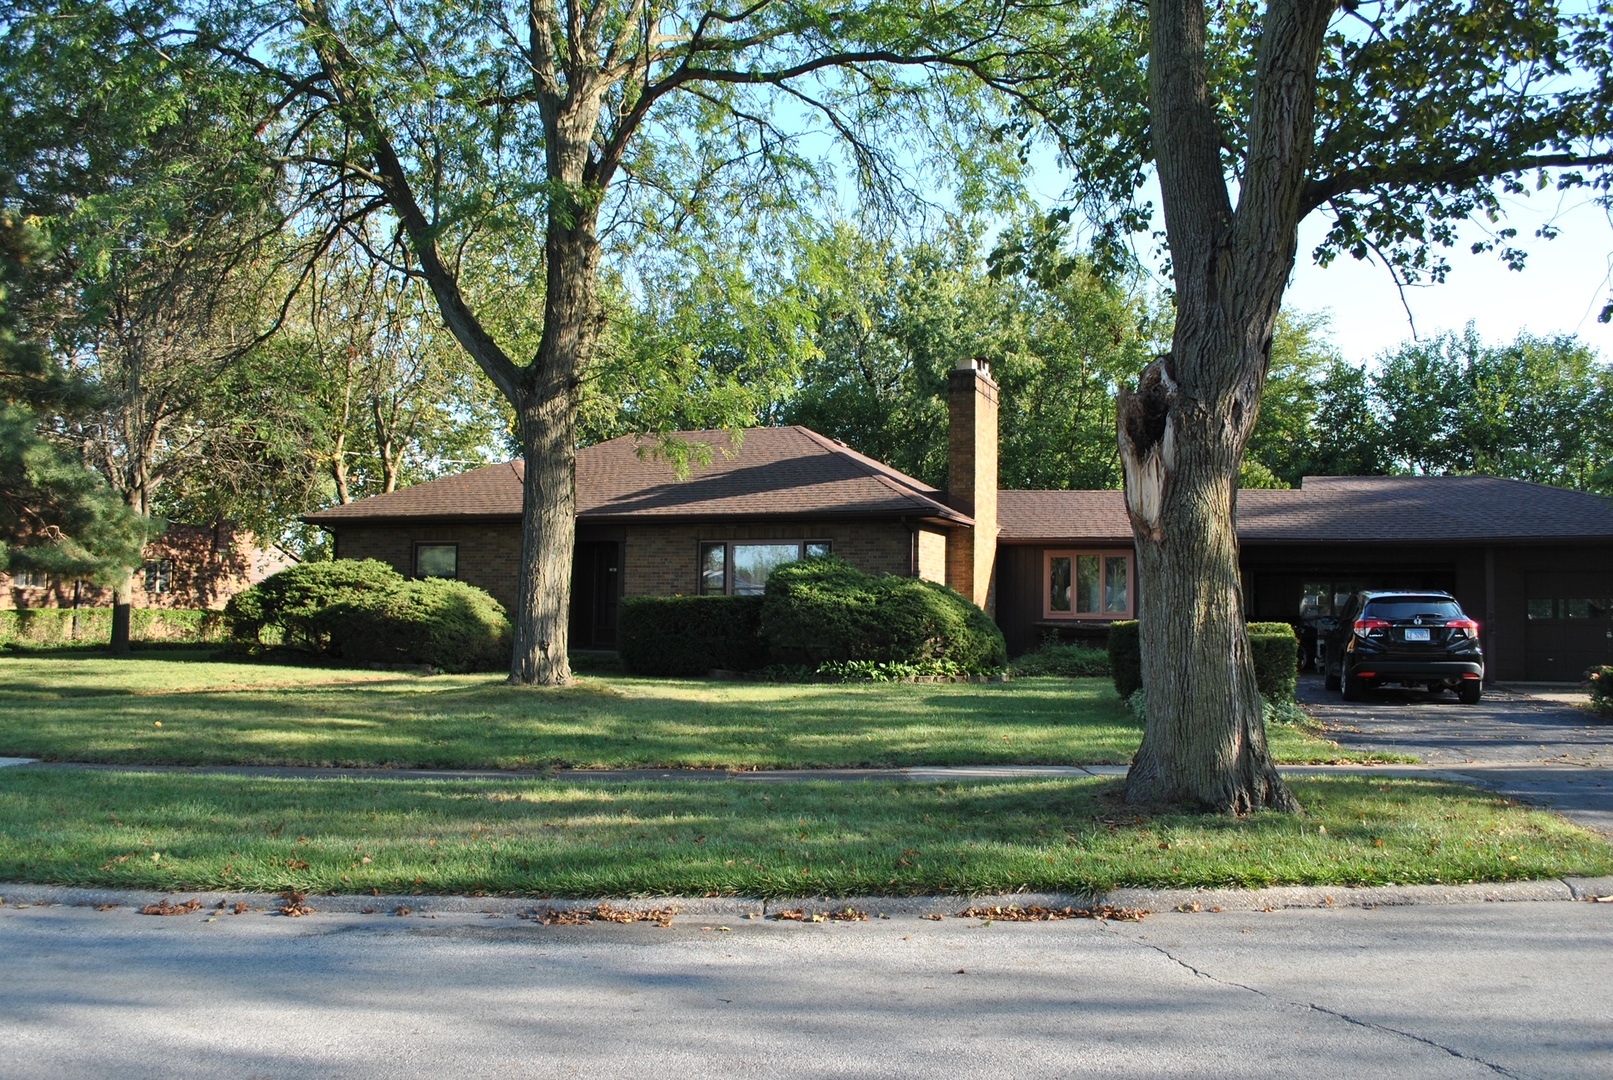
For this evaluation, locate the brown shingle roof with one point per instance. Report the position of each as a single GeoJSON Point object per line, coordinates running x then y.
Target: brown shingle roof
{"type": "Point", "coordinates": [1432, 508]}
{"type": "Point", "coordinates": [1087, 516]}
{"type": "Point", "coordinates": [773, 472]}
{"type": "Point", "coordinates": [1339, 509]}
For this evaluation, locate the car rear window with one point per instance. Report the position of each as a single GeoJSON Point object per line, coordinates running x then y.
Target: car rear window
{"type": "Point", "coordinates": [1409, 607]}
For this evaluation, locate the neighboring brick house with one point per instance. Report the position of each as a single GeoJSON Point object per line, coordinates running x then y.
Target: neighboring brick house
{"type": "Point", "coordinates": [1534, 564]}
{"type": "Point", "coordinates": [188, 566]}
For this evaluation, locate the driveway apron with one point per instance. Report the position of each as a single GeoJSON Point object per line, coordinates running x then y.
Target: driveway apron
{"type": "Point", "coordinates": [1534, 750]}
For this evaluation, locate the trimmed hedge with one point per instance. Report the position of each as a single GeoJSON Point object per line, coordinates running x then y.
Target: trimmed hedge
{"type": "Point", "coordinates": [367, 612]}
{"type": "Point", "coordinates": [448, 625]}
{"type": "Point", "coordinates": [1275, 650]}
{"type": "Point", "coordinates": [56, 626]}
{"type": "Point", "coordinates": [1126, 658]}
{"type": "Point", "coordinates": [824, 609]}
{"type": "Point", "coordinates": [681, 636]}
{"type": "Point", "coordinates": [1273, 646]}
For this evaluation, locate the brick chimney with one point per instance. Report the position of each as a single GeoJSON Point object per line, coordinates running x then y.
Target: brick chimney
{"type": "Point", "coordinates": [972, 478]}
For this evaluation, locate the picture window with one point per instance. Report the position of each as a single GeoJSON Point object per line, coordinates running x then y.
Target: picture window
{"type": "Point", "coordinates": [741, 567]}
{"type": "Point", "coordinates": [436, 560]}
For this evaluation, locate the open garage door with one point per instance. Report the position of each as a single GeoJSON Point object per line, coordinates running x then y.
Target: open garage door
{"type": "Point", "coordinates": [1570, 625]}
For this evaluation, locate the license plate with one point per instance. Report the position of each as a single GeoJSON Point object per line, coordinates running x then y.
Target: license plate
{"type": "Point", "coordinates": [1416, 633]}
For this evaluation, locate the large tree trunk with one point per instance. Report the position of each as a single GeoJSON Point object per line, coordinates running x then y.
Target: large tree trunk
{"type": "Point", "coordinates": [122, 615]}
{"type": "Point", "coordinates": [548, 416]}
{"type": "Point", "coordinates": [1182, 434]}
{"type": "Point", "coordinates": [1204, 744]}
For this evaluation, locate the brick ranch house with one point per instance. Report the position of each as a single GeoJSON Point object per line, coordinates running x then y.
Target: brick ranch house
{"type": "Point", "coordinates": [187, 567]}
{"type": "Point", "coordinates": [1534, 564]}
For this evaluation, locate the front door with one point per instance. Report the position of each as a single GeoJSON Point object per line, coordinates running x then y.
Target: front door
{"type": "Point", "coordinates": [596, 590]}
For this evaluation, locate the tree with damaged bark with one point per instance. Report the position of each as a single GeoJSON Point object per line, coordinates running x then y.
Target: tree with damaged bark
{"type": "Point", "coordinates": [1397, 120]}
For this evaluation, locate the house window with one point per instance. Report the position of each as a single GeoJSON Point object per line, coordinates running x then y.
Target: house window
{"type": "Point", "coordinates": [29, 579]}
{"type": "Point", "coordinates": [741, 567]}
{"type": "Point", "coordinates": [1571, 609]}
{"type": "Point", "coordinates": [159, 575]}
{"type": "Point", "coordinates": [1087, 585]}
{"type": "Point", "coordinates": [436, 560]}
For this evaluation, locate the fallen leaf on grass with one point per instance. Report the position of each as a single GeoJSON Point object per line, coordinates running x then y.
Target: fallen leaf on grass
{"type": "Point", "coordinates": [240, 908]}
{"type": "Point", "coordinates": [166, 907]}
{"type": "Point", "coordinates": [1038, 913]}
{"type": "Point", "coordinates": [294, 905]}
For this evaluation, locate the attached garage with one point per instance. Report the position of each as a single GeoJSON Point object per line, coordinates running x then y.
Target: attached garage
{"type": "Point", "coordinates": [1533, 564]}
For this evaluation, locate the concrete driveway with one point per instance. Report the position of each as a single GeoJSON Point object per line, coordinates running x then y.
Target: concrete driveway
{"type": "Point", "coordinates": [1536, 749]}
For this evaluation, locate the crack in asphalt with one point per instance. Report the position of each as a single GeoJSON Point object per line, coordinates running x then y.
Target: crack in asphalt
{"type": "Point", "coordinates": [1500, 1070]}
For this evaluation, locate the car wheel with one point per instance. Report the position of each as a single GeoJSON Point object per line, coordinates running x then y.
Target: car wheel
{"type": "Point", "coordinates": [1470, 691]}
{"type": "Point", "coordinates": [1354, 688]}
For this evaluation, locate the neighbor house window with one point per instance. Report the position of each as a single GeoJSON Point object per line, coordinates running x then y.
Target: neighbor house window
{"type": "Point", "coordinates": [159, 575]}
{"type": "Point", "coordinates": [436, 560]}
{"type": "Point", "coordinates": [1087, 585]}
{"type": "Point", "coordinates": [741, 567]}
{"type": "Point", "coordinates": [29, 579]}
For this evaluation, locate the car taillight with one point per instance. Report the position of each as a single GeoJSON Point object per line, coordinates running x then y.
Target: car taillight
{"type": "Point", "coordinates": [1366, 626]}
{"type": "Point", "coordinates": [1464, 628]}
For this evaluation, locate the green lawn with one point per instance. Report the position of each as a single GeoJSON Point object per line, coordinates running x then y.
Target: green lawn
{"type": "Point", "coordinates": [175, 709]}
{"type": "Point", "coordinates": [544, 838]}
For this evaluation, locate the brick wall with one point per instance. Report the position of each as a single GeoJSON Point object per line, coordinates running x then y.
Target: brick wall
{"type": "Point", "coordinates": [932, 556]}
{"type": "Point", "coordinates": [489, 555]}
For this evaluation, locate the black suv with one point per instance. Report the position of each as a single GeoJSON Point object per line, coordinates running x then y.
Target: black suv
{"type": "Point", "coordinates": [1411, 638]}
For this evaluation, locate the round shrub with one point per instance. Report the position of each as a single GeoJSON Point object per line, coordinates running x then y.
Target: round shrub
{"type": "Point", "coordinates": [298, 601]}
{"type": "Point", "coordinates": [823, 609]}
{"type": "Point", "coordinates": [448, 625]}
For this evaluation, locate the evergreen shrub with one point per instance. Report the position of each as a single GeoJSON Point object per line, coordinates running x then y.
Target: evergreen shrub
{"type": "Point", "coordinates": [1275, 650]}
{"type": "Point", "coordinates": [1601, 685]}
{"type": "Point", "coordinates": [1274, 647]}
{"type": "Point", "coordinates": [299, 601]}
{"type": "Point", "coordinates": [444, 624]}
{"type": "Point", "coordinates": [681, 636]}
{"type": "Point", "coordinates": [1065, 658]}
{"type": "Point", "coordinates": [824, 609]}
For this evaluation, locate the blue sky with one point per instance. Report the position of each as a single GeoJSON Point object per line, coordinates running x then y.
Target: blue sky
{"type": "Point", "coordinates": [1564, 286]}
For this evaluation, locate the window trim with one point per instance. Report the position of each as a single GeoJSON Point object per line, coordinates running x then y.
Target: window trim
{"type": "Point", "coordinates": [1046, 583]}
{"type": "Point", "coordinates": [415, 560]}
{"type": "Point", "coordinates": [728, 558]}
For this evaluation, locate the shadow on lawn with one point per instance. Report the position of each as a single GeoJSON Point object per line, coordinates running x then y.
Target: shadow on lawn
{"type": "Point", "coordinates": [414, 723]}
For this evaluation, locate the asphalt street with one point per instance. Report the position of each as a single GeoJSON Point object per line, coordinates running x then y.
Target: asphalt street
{"type": "Point", "coordinates": [1479, 990]}
{"type": "Point", "coordinates": [1529, 748]}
